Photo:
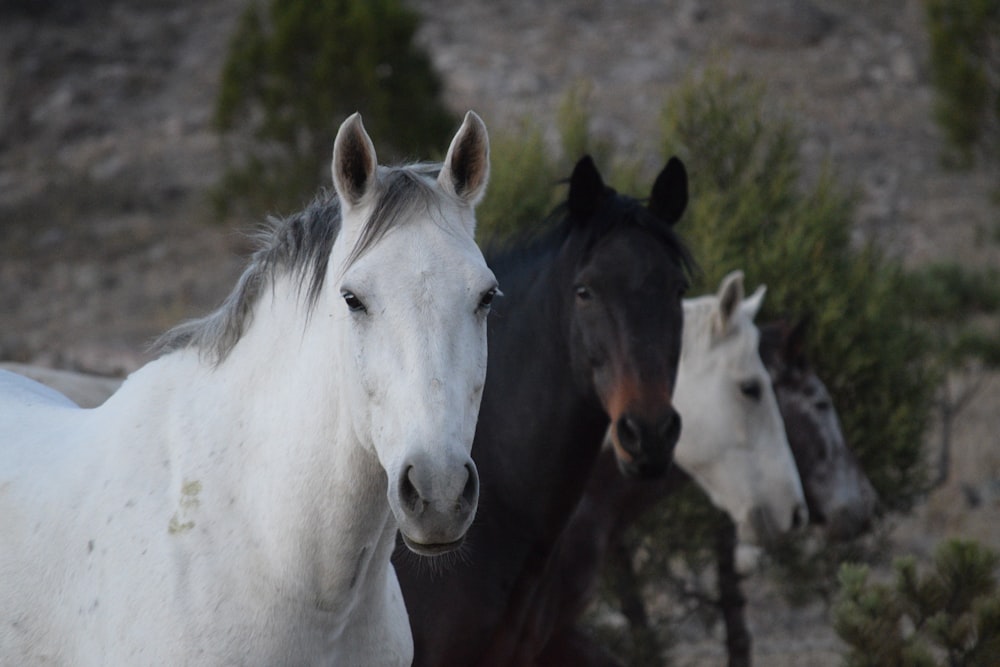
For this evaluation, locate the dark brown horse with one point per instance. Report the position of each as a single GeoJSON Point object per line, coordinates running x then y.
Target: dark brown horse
{"type": "Point", "coordinates": [837, 491]}
{"type": "Point", "coordinates": [587, 336]}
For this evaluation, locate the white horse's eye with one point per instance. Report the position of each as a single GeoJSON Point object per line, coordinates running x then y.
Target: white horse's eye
{"type": "Point", "coordinates": [486, 300]}
{"type": "Point", "coordinates": [353, 303]}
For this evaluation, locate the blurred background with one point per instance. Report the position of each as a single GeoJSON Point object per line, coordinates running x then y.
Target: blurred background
{"type": "Point", "coordinates": [844, 152]}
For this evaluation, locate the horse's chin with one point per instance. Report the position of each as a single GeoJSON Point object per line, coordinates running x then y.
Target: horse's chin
{"type": "Point", "coordinates": [431, 550]}
{"type": "Point", "coordinates": [643, 469]}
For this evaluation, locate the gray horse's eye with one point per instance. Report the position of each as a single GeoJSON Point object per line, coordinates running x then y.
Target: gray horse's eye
{"type": "Point", "coordinates": [751, 389]}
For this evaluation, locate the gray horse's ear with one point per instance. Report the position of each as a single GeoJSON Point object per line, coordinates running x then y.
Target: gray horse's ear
{"type": "Point", "coordinates": [466, 168]}
{"type": "Point", "coordinates": [354, 162]}
{"type": "Point", "coordinates": [730, 297]}
{"type": "Point", "coordinates": [670, 192]}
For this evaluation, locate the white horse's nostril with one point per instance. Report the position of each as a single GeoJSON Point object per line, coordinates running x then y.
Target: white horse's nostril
{"type": "Point", "coordinates": [409, 495]}
{"type": "Point", "coordinates": [470, 494]}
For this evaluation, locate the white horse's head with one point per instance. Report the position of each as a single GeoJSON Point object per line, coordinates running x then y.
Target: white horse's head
{"type": "Point", "coordinates": [733, 442]}
{"type": "Point", "coordinates": [413, 293]}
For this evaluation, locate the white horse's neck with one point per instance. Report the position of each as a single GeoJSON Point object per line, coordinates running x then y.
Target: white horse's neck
{"type": "Point", "coordinates": [268, 445]}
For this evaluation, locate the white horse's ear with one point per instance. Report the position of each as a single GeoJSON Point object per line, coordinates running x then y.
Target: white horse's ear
{"type": "Point", "coordinates": [466, 167]}
{"type": "Point", "coordinates": [730, 297]}
{"type": "Point", "coordinates": [751, 305]}
{"type": "Point", "coordinates": [354, 162]}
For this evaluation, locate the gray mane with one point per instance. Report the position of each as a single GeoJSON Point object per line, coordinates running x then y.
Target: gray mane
{"type": "Point", "coordinates": [300, 245]}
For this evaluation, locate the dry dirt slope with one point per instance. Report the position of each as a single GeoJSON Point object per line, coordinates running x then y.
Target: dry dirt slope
{"type": "Point", "coordinates": [105, 147]}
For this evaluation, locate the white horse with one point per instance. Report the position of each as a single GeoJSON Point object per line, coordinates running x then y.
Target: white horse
{"type": "Point", "coordinates": [733, 440]}
{"type": "Point", "coordinates": [84, 389]}
{"type": "Point", "coordinates": [237, 500]}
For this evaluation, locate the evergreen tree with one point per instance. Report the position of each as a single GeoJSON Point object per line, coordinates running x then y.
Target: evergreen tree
{"type": "Point", "coordinates": [947, 616]}
{"type": "Point", "coordinates": [965, 71]}
{"type": "Point", "coordinates": [297, 68]}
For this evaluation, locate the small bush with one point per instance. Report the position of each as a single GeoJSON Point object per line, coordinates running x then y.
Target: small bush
{"type": "Point", "coordinates": [965, 71]}
{"type": "Point", "coordinates": [296, 69]}
{"type": "Point", "coordinates": [950, 615]}
{"type": "Point", "coordinates": [751, 210]}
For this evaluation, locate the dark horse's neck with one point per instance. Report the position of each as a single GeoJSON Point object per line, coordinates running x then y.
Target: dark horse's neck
{"type": "Point", "coordinates": [528, 490]}
{"type": "Point", "coordinates": [531, 397]}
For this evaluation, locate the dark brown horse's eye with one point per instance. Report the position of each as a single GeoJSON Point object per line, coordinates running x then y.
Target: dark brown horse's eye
{"type": "Point", "coordinates": [582, 293]}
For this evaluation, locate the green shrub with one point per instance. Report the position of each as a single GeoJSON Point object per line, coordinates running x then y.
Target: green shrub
{"type": "Point", "coordinates": [296, 68]}
{"type": "Point", "coordinates": [965, 71]}
{"type": "Point", "coordinates": [956, 303]}
{"type": "Point", "coordinates": [947, 616]}
{"type": "Point", "coordinates": [526, 171]}
{"type": "Point", "coordinates": [751, 210]}
{"type": "Point", "coordinates": [523, 183]}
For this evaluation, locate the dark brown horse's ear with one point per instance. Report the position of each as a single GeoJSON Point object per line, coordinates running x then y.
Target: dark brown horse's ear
{"type": "Point", "coordinates": [586, 188]}
{"type": "Point", "coordinates": [670, 192]}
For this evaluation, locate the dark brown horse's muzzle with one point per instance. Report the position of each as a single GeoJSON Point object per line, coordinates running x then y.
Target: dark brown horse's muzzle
{"type": "Point", "coordinates": [645, 447]}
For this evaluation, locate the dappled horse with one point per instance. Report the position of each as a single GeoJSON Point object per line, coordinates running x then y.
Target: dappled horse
{"type": "Point", "coordinates": [237, 500]}
{"type": "Point", "coordinates": [839, 495]}
{"type": "Point", "coordinates": [612, 503]}
{"type": "Point", "coordinates": [587, 336]}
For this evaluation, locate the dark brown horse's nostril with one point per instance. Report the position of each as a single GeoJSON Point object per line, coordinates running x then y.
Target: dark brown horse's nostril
{"type": "Point", "coordinates": [669, 428]}
{"type": "Point", "coordinates": [629, 435]}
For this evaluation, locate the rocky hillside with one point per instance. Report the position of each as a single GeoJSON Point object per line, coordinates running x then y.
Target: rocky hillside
{"type": "Point", "coordinates": [106, 148]}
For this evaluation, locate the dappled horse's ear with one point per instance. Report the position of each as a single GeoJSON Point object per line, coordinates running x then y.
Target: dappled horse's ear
{"type": "Point", "coordinates": [586, 188]}
{"type": "Point", "coordinates": [730, 297]}
{"type": "Point", "coordinates": [794, 343]}
{"type": "Point", "coordinates": [466, 167]}
{"type": "Point", "coordinates": [670, 192]}
{"type": "Point", "coordinates": [354, 162]}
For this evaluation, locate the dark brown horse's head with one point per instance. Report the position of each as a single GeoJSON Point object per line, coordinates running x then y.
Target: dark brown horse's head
{"type": "Point", "coordinates": [626, 316]}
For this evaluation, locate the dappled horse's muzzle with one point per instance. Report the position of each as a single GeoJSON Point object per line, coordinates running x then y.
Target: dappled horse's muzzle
{"type": "Point", "coordinates": [644, 447]}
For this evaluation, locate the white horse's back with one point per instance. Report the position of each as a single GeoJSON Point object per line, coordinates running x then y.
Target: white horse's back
{"type": "Point", "coordinates": [19, 390]}
{"type": "Point", "coordinates": [86, 390]}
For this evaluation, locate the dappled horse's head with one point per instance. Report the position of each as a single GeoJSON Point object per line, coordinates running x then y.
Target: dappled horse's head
{"type": "Point", "coordinates": [411, 291]}
{"type": "Point", "coordinates": [734, 443]}
{"type": "Point", "coordinates": [628, 280]}
{"type": "Point", "coordinates": [838, 493]}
